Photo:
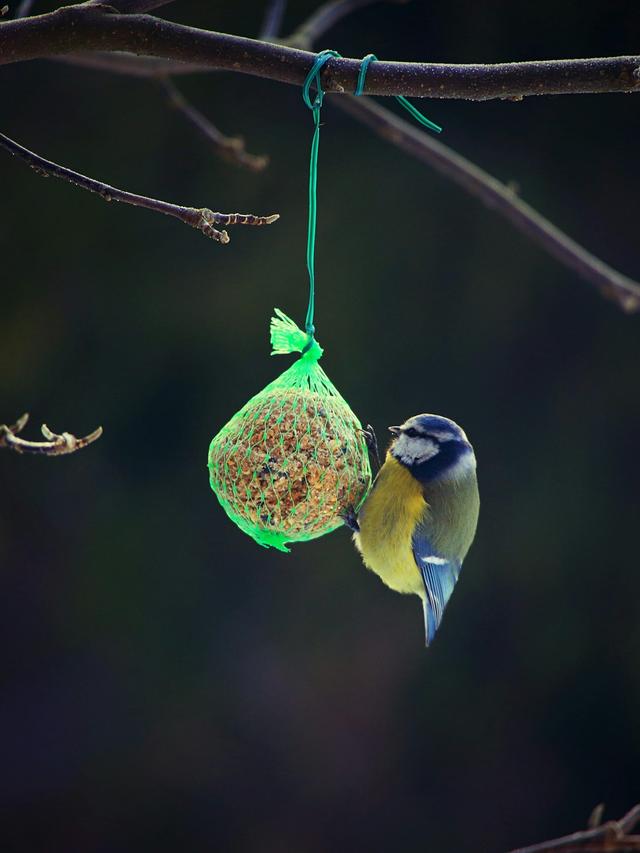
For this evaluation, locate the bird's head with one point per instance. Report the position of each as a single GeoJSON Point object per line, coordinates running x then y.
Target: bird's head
{"type": "Point", "coordinates": [432, 446]}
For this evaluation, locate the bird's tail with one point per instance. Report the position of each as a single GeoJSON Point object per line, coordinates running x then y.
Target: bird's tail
{"type": "Point", "coordinates": [429, 622]}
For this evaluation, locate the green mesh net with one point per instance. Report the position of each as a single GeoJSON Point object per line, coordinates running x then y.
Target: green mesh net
{"type": "Point", "coordinates": [293, 458]}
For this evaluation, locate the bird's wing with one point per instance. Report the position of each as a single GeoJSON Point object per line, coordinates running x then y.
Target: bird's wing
{"type": "Point", "coordinates": [439, 576]}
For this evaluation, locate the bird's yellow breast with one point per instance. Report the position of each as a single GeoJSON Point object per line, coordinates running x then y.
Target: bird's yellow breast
{"type": "Point", "coordinates": [387, 521]}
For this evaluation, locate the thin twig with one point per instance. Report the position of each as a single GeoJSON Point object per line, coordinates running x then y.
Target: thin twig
{"type": "Point", "coordinates": [624, 291]}
{"type": "Point", "coordinates": [19, 425]}
{"type": "Point", "coordinates": [55, 445]}
{"type": "Point", "coordinates": [79, 27]}
{"type": "Point", "coordinates": [323, 19]}
{"type": "Point", "coordinates": [24, 8]}
{"type": "Point", "coordinates": [595, 818]}
{"type": "Point", "coordinates": [202, 218]}
{"type": "Point", "coordinates": [612, 837]}
{"type": "Point", "coordinates": [272, 21]}
{"type": "Point", "coordinates": [632, 819]}
{"type": "Point", "coordinates": [230, 148]}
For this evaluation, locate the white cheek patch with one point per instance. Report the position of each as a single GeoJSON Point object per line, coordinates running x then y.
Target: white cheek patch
{"type": "Point", "coordinates": [415, 450]}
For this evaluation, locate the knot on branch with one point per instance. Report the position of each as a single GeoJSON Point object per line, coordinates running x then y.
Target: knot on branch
{"type": "Point", "coordinates": [206, 220]}
{"type": "Point", "coordinates": [55, 445]}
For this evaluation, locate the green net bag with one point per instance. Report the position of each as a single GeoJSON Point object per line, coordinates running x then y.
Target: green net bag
{"type": "Point", "coordinates": [293, 459]}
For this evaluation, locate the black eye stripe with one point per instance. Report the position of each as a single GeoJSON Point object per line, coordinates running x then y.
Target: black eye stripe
{"type": "Point", "coordinates": [411, 432]}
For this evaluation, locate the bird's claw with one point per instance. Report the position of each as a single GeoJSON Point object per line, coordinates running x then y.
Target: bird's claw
{"type": "Point", "coordinates": [371, 440]}
{"type": "Point", "coordinates": [351, 519]}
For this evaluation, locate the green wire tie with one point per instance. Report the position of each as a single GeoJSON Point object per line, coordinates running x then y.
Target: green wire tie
{"type": "Point", "coordinates": [415, 113]}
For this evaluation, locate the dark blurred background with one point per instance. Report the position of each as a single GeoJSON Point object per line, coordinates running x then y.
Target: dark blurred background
{"type": "Point", "coordinates": [169, 685]}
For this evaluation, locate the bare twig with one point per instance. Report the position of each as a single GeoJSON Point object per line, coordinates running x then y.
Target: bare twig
{"type": "Point", "coordinates": [272, 21]}
{"type": "Point", "coordinates": [19, 425]}
{"type": "Point", "coordinates": [230, 148]}
{"type": "Point", "coordinates": [628, 822]}
{"type": "Point", "coordinates": [595, 818]}
{"type": "Point", "coordinates": [612, 837]}
{"type": "Point", "coordinates": [202, 218]}
{"type": "Point", "coordinates": [55, 445]}
{"type": "Point", "coordinates": [613, 285]}
{"type": "Point", "coordinates": [24, 8]}
{"type": "Point", "coordinates": [323, 19]}
{"type": "Point", "coordinates": [79, 27]}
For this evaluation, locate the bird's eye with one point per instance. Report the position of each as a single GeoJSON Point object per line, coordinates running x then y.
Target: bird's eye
{"type": "Point", "coordinates": [411, 432]}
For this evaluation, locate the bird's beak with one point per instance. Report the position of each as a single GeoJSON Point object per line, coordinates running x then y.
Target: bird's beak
{"type": "Point", "coordinates": [395, 430]}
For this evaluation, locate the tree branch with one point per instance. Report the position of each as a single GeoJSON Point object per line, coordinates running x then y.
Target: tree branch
{"type": "Point", "coordinates": [613, 285]}
{"type": "Point", "coordinates": [81, 27]}
{"type": "Point", "coordinates": [55, 445]}
{"type": "Point", "coordinates": [230, 148]}
{"type": "Point", "coordinates": [612, 837]}
{"type": "Point", "coordinates": [202, 218]}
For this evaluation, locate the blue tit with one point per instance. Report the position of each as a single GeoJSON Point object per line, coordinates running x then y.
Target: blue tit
{"type": "Point", "coordinates": [419, 519]}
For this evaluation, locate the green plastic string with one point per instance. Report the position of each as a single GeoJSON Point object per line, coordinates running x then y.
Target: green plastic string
{"type": "Point", "coordinates": [315, 105]}
{"type": "Point", "coordinates": [413, 111]}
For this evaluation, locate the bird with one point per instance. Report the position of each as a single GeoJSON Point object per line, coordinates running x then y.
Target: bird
{"type": "Point", "coordinates": [419, 519]}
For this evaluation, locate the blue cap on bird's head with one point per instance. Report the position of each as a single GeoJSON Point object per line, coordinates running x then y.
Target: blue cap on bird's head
{"type": "Point", "coordinates": [444, 429]}
{"type": "Point", "coordinates": [432, 446]}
